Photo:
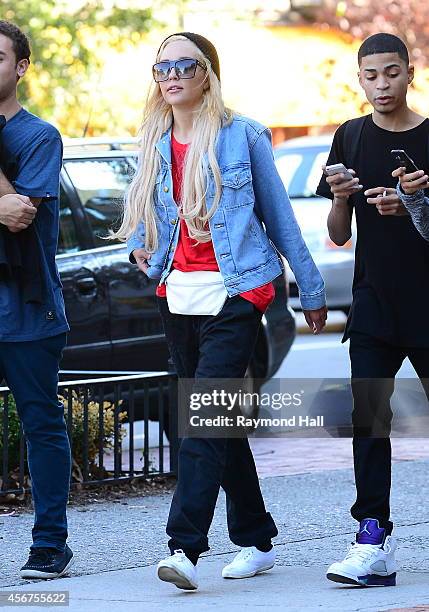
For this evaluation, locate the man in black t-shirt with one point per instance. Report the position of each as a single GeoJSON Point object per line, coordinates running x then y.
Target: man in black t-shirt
{"type": "Point", "coordinates": [389, 287]}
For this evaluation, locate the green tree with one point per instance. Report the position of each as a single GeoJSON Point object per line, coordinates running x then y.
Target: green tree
{"type": "Point", "coordinates": [69, 39]}
{"type": "Point", "coordinates": [408, 19]}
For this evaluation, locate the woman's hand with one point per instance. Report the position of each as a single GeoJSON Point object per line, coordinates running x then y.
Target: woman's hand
{"type": "Point", "coordinates": [410, 183]}
{"type": "Point", "coordinates": [316, 319]}
{"type": "Point", "coordinates": [141, 256]}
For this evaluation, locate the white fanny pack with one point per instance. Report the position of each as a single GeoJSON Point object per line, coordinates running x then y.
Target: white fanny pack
{"type": "Point", "coordinates": [195, 293]}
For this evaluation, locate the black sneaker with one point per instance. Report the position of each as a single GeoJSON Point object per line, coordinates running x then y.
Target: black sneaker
{"type": "Point", "coordinates": [47, 563]}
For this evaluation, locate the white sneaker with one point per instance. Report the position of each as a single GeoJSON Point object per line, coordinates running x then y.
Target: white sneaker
{"type": "Point", "coordinates": [249, 562]}
{"type": "Point", "coordinates": [367, 564]}
{"type": "Point", "coordinates": [179, 570]}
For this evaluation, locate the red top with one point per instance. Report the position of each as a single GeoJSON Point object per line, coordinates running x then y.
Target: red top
{"type": "Point", "coordinates": [191, 255]}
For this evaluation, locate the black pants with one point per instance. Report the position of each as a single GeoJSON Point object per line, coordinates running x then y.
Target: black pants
{"type": "Point", "coordinates": [374, 359]}
{"type": "Point", "coordinates": [215, 347]}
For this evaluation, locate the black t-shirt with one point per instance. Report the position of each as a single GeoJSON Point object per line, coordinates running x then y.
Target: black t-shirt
{"type": "Point", "coordinates": [391, 278]}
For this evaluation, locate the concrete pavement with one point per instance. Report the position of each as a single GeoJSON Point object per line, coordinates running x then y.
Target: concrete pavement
{"type": "Point", "coordinates": [283, 457]}
{"type": "Point", "coordinates": [117, 545]}
{"type": "Point", "coordinates": [294, 588]}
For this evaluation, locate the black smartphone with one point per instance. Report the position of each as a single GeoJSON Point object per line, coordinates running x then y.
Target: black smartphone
{"type": "Point", "coordinates": [404, 161]}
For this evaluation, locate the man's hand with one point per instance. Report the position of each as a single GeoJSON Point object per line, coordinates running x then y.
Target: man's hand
{"type": "Point", "coordinates": [340, 186]}
{"type": "Point", "coordinates": [141, 256]}
{"type": "Point", "coordinates": [410, 183]}
{"type": "Point", "coordinates": [16, 212]}
{"type": "Point", "coordinates": [316, 319]}
{"type": "Point", "coordinates": [387, 201]}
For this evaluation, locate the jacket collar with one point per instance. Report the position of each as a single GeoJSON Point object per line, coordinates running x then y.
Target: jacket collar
{"type": "Point", "coordinates": [164, 146]}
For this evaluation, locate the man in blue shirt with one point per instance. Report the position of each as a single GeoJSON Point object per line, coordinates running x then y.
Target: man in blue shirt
{"type": "Point", "coordinates": [33, 324]}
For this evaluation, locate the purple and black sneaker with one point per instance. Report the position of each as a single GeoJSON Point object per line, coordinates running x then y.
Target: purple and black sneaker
{"type": "Point", "coordinates": [370, 561]}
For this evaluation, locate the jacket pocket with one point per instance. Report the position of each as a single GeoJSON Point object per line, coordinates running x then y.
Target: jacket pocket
{"type": "Point", "coordinates": [259, 235]}
{"type": "Point", "coordinates": [248, 242]}
{"type": "Point", "coordinates": [237, 187]}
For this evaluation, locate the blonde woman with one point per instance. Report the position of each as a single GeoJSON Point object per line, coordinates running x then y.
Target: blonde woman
{"type": "Point", "coordinates": [204, 212]}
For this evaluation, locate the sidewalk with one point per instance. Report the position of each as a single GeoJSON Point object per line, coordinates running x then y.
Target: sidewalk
{"type": "Point", "coordinates": [293, 588]}
{"type": "Point", "coordinates": [283, 457]}
{"type": "Point", "coordinates": [117, 545]}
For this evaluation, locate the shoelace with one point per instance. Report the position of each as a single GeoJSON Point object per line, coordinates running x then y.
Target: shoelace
{"type": "Point", "coordinates": [244, 554]}
{"type": "Point", "coordinates": [179, 553]}
{"type": "Point", "coordinates": [41, 554]}
{"type": "Point", "coordinates": [363, 552]}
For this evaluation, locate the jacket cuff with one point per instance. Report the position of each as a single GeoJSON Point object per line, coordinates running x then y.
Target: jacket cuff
{"type": "Point", "coordinates": [415, 198]}
{"type": "Point", "coordinates": [133, 243]}
{"type": "Point", "coordinates": [314, 301]}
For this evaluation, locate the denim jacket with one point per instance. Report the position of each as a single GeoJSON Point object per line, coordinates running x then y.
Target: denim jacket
{"type": "Point", "coordinates": [253, 223]}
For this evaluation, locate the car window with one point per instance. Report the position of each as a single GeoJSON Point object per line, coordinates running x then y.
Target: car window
{"type": "Point", "coordinates": [287, 165]}
{"type": "Point", "coordinates": [100, 185]}
{"type": "Point", "coordinates": [300, 170]}
{"type": "Point", "coordinates": [67, 238]}
{"type": "Point", "coordinates": [315, 174]}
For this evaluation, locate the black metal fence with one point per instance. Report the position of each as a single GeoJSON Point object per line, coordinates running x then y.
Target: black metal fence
{"type": "Point", "coordinates": [105, 415]}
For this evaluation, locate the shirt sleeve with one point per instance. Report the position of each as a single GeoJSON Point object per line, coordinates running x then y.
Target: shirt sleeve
{"type": "Point", "coordinates": [39, 167]}
{"type": "Point", "coordinates": [136, 241]}
{"type": "Point", "coordinates": [273, 207]}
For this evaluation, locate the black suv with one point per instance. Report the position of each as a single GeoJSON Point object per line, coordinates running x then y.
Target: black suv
{"type": "Point", "coordinates": [110, 304]}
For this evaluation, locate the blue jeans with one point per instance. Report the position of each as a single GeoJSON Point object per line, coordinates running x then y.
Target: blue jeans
{"type": "Point", "coordinates": [31, 372]}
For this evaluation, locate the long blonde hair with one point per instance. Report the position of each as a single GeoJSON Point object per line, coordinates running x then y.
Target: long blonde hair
{"type": "Point", "coordinates": [157, 119]}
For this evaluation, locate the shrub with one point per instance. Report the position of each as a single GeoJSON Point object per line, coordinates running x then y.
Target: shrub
{"type": "Point", "coordinates": [76, 433]}
{"type": "Point", "coordinates": [13, 432]}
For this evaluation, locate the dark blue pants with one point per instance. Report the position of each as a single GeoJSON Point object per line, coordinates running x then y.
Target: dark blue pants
{"type": "Point", "coordinates": [31, 372]}
{"type": "Point", "coordinates": [215, 347]}
{"type": "Point", "coordinates": [372, 415]}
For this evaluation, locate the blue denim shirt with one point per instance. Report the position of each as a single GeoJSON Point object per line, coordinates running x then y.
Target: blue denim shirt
{"type": "Point", "coordinates": [32, 155]}
{"type": "Point", "coordinates": [253, 223]}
